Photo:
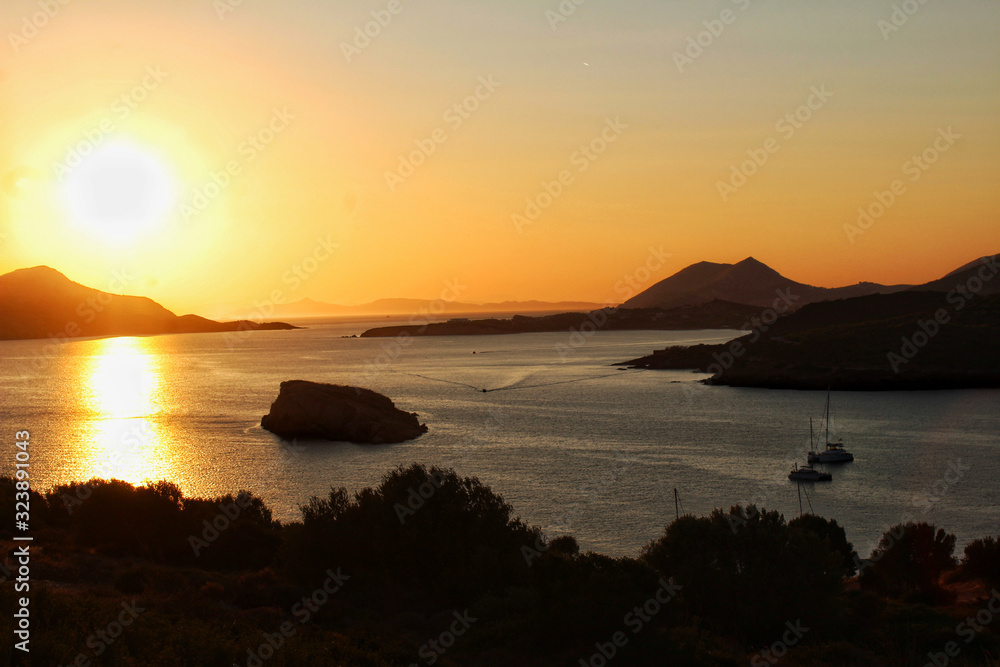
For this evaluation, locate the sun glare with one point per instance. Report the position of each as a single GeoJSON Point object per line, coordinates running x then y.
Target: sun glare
{"type": "Point", "coordinates": [123, 392]}
{"type": "Point", "coordinates": [120, 192]}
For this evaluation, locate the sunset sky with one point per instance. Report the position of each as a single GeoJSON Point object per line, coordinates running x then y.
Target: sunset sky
{"type": "Point", "coordinates": [162, 95]}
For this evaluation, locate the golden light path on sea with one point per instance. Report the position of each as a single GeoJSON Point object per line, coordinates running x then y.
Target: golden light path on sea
{"type": "Point", "coordinates": [122, 389]}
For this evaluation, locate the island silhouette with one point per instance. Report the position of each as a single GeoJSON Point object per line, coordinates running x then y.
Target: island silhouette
{"type": "Point", "coordinates": [41, 302]}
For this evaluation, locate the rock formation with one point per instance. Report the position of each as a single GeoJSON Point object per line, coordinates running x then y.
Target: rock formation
{"type": "Point", "coordinates": [312, 410]}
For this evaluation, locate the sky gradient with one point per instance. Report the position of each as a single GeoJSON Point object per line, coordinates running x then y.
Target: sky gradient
{"type": "Point", "coordinates": [312, 132]}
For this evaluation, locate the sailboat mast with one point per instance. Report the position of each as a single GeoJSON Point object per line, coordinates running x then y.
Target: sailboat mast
{"type": "Point", "coordinates": [677, 510]}
{"type": "Point", "coordinates": [827, 415]}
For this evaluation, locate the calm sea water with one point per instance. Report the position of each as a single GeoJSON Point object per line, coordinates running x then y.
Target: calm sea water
{"type": "Point", "coordinates": [574, 444]}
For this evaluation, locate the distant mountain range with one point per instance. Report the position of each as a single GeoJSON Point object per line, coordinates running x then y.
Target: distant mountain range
{"type": "Point", "coordinates": [40, 302]}
{"type": "Point", "coordinates": [702, 296]}
{"type": "Point", "coordinates": [308, 308]}
{"type": "Point", "coordinates": [749, 282]}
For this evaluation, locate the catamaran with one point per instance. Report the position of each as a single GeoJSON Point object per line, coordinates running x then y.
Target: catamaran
{"type": "Point", "coordinates": [834, 452]}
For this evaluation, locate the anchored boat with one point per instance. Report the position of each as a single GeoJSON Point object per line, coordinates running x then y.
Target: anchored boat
{"type": "Point", "coordinates": [806, 473]}
{"type": "Point", "coordinates": [834, 452]}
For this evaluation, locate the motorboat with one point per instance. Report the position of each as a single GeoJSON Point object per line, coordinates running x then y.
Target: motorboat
{"type": "Point", "coordinates": [807, 473]}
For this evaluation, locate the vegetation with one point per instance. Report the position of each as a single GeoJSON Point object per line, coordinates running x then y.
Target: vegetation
{"type": "Point", "coordinates": [982, 560]}
{"type": "Point", "coordinates": [909, 561]}
{"type": "Point", "coordinates": [430, 568]}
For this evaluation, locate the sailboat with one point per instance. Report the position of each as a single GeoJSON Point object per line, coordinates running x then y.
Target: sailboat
{"type": "Point", "coordinates": [834, 452]}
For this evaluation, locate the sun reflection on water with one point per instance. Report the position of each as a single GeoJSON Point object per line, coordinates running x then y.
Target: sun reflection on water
{"type": "Point", "coordinates": [122, 390]}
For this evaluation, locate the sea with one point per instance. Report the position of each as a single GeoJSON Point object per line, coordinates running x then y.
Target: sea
{"type": "Point", "coordinates": [575, 444]}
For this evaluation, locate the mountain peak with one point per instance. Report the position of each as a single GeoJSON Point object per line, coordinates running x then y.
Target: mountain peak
{"type": "Point", "coordinates": [753, 266]}
{"type": "Point", "coordinates": [36, 276]}
{"type": "Point", "coordinates": [40, 270]}
{"type": "Point", "coordinates": [748, 282]}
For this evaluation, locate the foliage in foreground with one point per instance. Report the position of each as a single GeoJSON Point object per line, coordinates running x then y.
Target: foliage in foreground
{"type": "Point", "coordinates": [430, 568]}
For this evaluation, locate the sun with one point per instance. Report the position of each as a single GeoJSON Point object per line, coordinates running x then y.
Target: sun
{"type": "Point", "coordinates": [120, 192]}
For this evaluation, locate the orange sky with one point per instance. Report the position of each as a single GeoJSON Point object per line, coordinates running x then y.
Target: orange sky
{"type": "Point", "coordinates": [184, 89]}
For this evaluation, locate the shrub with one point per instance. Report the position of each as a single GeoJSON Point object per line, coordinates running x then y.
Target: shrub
{"type": "Point", "coordinates": [909, 561]}
{"type": "Point", "coordinates": [428, 530]}
{"type": "Point", "coordinates": [745, 572]}
{"type": "Point", "coordinates": [982, 559]}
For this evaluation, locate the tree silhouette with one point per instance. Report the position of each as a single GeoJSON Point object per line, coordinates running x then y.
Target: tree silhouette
{"type": "Point", "coordinates": [982, 559]}
{"type": "Point", "coordinates": [909, 561]}
{"type": "Point", "coordinates": [426, 529]}
{"type": "Point", "coordinates": [745, 572]}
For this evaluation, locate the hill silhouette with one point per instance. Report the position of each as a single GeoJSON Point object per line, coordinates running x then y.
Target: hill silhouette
{"type": "Point", "coordinates": [749, 282]}
{"type": "Point", "coordinates": [41, 302]}
{"type": "Point", "coordinates": [711, 315]}
{"type": "Point", "coordinates": [978, 269]}
{"type": "Point", "coordinates": [915, 339]}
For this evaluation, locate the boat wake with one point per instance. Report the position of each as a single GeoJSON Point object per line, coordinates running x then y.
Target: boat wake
{"type": "Point", "coordinates": [517, 385]}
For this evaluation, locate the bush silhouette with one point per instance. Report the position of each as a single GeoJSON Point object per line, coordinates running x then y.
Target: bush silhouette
{"type": "Point", "coordinates": [833, 534]}
{"type": "Point", "coordinates": [982, 559]}
{"type": "Point", "coordinates": [157, 523]}
{"type": "Point", "coordinates": [746, 572]}
{"type": "Point", "coordinates": [425, 530]}
{"type": "Point", "coordinates": [119, 519]}
{"type": "Point", "coordinates": [909, 561]}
